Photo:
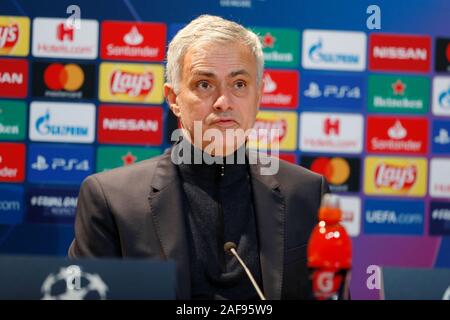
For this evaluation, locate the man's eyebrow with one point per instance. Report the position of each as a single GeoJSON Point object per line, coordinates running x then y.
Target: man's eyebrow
{"type": "Point", "coordinates": [238, 73]}
{"type": "Point", "coordinates": [204, 74]}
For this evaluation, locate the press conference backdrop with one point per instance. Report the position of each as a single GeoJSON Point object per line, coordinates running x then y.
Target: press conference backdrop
{"type": "Point", "coordinates": [368, 108]}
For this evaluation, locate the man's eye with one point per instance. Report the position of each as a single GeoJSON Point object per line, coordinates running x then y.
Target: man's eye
{"type": "Point", "coordinates": [203, 85]}
{"type": "Point", "coordinates": [240, 84]}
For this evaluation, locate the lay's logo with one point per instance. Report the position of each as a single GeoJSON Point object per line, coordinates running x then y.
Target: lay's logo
{"type": "Point", "coordinates": [274, 129]}
{"type": "Point", "coordinates": [139, 83]}
{"type": "Point", "coordinates": [14, 36]}
{"type": "Point", "coordinates": [395, 176]}
{"type": "Point", "coordinates": [131, 84]}
{"type": "Point", "coordinates": [264, 127]}
{"type": "Point", "coordinates": [9, 36]}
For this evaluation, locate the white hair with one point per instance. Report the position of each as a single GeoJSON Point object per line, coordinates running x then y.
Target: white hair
{"type": "Point", "coordinates": [211, 29]}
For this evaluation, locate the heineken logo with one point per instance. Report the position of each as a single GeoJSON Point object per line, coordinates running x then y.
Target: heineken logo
{"type": "Point", "coordinates": [268, 40]}
{"type": "Point", "coordinates": [280, 46]}
{"type": "Point", "coordinates": [399, 87]}
{"type": "Point", "coordinates": [398, 94]}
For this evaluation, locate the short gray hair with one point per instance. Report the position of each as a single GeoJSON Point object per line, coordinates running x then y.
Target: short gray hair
{"type": "Point", "coordinates": [207, 28]}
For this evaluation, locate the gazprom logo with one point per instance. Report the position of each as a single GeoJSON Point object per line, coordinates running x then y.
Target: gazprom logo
{"type": "Point", "coordinates": [444, 99]}
{"type": "Point", "coordinates": [62, 122]}
{"type": "Point", "coordinates": [334, 50]}
{"type": "Point", "coordinates": [316, 54]}
{"type": "Point", "coordinates": [45, 127]}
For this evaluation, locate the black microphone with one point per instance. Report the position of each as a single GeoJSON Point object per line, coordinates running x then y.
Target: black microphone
{"type": "Point", "coordinates": [230, 248]}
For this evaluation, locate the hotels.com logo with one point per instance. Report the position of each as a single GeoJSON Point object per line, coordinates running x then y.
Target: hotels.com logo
{"type": "Point", "coordinates": [331, 126]}
{"type": "Point", "coordinates": [64, 32]}
{"type": "Point", "coordinates": [131, 84]}
{"type": "Point", "coordinates": [9, 35]}
{"type": "Point", "coordinates": [263, 127]}
{"type": "Point", "coordinates": [395, 177]}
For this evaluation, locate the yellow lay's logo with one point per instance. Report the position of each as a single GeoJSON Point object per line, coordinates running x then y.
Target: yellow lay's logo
{"type": "Point", "coordinates": [274, 128]}
{"type": "Point", "coordinates": [140, 83]}
{"type": "Point", "coordinates": [14, 36]}
{"type": "Point", "coordinates": [396, 176]}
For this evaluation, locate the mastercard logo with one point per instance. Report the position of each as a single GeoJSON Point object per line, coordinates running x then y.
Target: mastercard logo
{"type": "Point", "coordinates": [335, 170]}
{"type": "Point", "coordinates": [69, 77]}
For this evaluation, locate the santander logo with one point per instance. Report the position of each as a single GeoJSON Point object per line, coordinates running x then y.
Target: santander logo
{"type": "Point", "coordinates": [132, 84]}
{"type": "Point", "coordinates": [9, 35]}
{"type": "Point", "coordinates": [397, 131]}
{"type": "Point", "coordinates": [133, 37]}
{"type": "Point", "coordinates": [269, 85]}
{"type": "Point", "coordinates": [395, 177]}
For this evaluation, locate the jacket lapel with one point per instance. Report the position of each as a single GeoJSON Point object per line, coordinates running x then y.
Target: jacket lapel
{"type": "Point", "coordinates": [269, 207]}
{"type": "Point", "coordinates": [166, 203]}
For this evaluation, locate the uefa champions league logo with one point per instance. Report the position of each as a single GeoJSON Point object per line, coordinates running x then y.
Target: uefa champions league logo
{"type": "Point", "coordinates": [446, 295]}
{"type": "Point", "coordinates": [71, 283]}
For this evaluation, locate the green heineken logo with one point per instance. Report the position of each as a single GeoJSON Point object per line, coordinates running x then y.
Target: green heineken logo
{"type": "Point", "coordinates": [12, 120]}
{"type": "Point", "coordinates": [406, 94]}
{"type": "Point", "coordinates": [113, 157]}
{"type": "Point", "coordinates": [280, 46]}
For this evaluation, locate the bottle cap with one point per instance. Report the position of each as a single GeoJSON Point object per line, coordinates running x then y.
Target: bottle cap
{"type": "Point", "coordinates": [330, 210]}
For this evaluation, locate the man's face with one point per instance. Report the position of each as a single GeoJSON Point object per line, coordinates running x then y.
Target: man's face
{"type": "Point", "coordinates": [218, 89]}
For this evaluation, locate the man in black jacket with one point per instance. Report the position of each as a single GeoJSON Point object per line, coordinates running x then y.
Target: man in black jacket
{"type": "Point", "coordinates": [174, 207]}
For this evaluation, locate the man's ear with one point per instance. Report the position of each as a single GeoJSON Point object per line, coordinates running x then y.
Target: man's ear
{"type": "Point", "coordinates": [171, 98]}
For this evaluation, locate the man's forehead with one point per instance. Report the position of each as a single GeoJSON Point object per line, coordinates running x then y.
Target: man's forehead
{"type": "Point", "coordinates": [207, 59]}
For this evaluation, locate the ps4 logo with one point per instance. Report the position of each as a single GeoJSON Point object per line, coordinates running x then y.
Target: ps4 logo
{"type": "Point", "coordinates": [60, 163]}
{"type": "Point", "coordinates": [443, 137]}
{"type": "Point", "coordinates": [332, 91]}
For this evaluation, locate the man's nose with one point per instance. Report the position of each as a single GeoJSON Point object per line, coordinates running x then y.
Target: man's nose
{"type": "Point", "coordinates": [223, 101]}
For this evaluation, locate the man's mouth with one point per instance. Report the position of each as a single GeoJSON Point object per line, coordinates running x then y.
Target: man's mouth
{"type": "Point", "coordinates": [225, 123]}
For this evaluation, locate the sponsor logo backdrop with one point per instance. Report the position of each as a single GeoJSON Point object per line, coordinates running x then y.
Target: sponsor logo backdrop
{"type": "Point", "coordinates": [368, 109]}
